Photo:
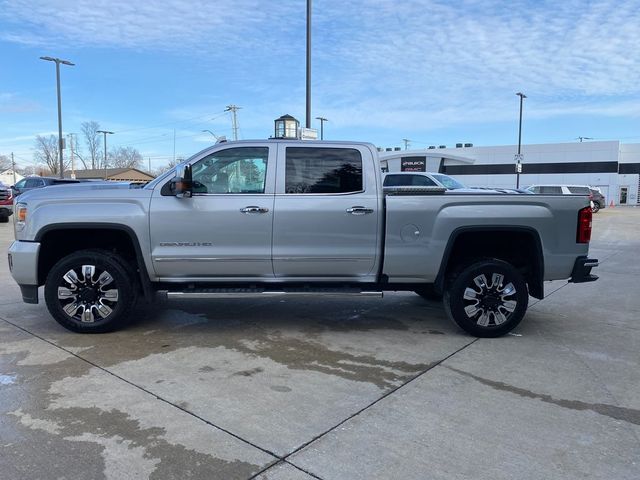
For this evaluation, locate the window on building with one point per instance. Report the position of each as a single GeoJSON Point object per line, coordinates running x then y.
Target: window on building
{"type": "Point", "coordinates": [323, 170]}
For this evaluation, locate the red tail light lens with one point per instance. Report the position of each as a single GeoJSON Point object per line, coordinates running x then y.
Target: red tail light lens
{"type": "Point", "coordinates": [584, 225]}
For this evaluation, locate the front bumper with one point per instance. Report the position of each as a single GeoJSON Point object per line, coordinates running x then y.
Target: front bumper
{"type": "Point", "coordinates": [23, 264]}
{"type": "Point", "coordinates": [582, 270]}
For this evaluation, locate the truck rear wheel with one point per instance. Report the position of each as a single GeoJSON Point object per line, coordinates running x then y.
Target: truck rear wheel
{"type": "Point", "coordinates": [90, 291]}
{"type": "Point", "coordinates": [487, 299]}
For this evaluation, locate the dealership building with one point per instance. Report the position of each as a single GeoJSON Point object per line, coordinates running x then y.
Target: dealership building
{"type": "Point", "coordinates": [612, 166]}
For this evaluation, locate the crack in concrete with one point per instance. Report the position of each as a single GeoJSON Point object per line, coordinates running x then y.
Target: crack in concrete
{"type": "Point", "coordinates": [629, 415]}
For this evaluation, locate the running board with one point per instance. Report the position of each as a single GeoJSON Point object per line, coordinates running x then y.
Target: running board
{"type": "Point", "coordinates": [203, 293]}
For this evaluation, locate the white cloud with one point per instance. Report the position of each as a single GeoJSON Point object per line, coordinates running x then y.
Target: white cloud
{"type": "Point", "coordinates": [416, 62]}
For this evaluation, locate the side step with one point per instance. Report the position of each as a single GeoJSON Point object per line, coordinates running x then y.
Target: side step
{"type": "Point", "coordinates": [203, 293]}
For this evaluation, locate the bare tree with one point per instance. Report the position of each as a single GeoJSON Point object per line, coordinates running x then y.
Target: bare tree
{"type": "Point", "coordinates": [163, 168]}
{"type": "Point", "coordinates": [125, 157]}
{"type": "Point", "coordinates": [28, 170]}
{"type": "Point", "coordinates": [75, 148]}
{"type": "Point", "coordinates": [46, 151]}
{"type": "Point", "coordinates": [92, 140]}
{"type": "Point", "coordinates": [5, 162]}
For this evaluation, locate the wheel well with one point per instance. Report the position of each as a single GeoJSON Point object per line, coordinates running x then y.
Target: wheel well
{"type": "Point", "coordinates": [520, 248]}
{"type": "Point", "coordinates": [56, 244]}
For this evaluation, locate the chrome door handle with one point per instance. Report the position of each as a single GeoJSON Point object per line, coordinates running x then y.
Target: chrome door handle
{"type": "Point", "coordinates": [359, 210]}
{"type": "Point", "coordinates": [254, 209]}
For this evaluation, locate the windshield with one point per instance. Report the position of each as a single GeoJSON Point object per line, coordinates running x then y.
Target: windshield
{"type": "Point", "coordinates": [448, 182]}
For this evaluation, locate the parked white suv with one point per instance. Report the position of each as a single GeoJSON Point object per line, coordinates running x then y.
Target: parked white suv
{"type": "Point", "coordinates": [565, 190]}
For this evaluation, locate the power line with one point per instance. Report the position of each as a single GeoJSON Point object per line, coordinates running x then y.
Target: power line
{"type": "Point", "coordinates": [220, 114]}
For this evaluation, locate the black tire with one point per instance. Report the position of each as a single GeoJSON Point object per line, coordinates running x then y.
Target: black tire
{"type": "Point", "coordinates": [428, 293]}
{"type": "Point", "coordinates": [475, 298]}
{"type": "Point", "coordinates": [596, 207]}
{"type": "Point", "coordinates": [4, 219]}
{"type": "Point", "coordinates": [103, 309]}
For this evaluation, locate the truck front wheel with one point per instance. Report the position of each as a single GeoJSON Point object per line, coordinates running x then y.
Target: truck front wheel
{"type": "Point", "coordinates": [90, 291]}
{"type": "Point", "coordinates": [487, 299]}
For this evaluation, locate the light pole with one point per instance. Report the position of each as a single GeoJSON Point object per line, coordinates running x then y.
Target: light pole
{"type": "Point", "coordinates": [322, 120]}
{"type": "Point", "coordinates": [60, 139]}
{"type": "Point", "coordinates": [105, 132]}
{"type": "Point", "coordinates": [519, 155]}
{"type": "Point", "coordinates": [308, 122]}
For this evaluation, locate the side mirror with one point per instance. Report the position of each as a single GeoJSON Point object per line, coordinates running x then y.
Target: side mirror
{"type": "Point", "coordinates": [182, 184]}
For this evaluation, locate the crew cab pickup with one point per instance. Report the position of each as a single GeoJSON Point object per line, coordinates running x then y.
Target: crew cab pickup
{"type": "Point", "coordinates": [290, 217]}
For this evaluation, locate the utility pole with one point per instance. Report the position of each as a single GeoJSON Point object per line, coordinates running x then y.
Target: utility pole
{"type": "Point", "coordinates": [322, 120]}
{"type": "Point", "coordinates": [308, 122]}
{"type": "Point", "coordinates": [519, 155]}
{"type": "Point", "coordinates": [406, 143]}
{"type": "Point", "coordinates": [13, 168]}
{"type": "Point", "coordinates": [234, 119]}
{"type": "Point", "coordinates": [105, 132]}
{"type": "Point", "coordinates": [60, 139]}
{"type": "Point", "coordinates": [73, 162]}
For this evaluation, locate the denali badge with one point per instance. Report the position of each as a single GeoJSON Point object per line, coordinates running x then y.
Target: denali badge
{"type": "Point", "coordinates": [186, 244]}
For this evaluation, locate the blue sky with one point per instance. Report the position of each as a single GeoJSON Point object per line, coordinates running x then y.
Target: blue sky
{"type": "Point", "coordinates": [435, 72]}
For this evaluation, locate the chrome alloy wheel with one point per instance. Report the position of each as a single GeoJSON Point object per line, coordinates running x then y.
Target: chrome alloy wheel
{"type": "Point", "coordinates": [489, 303]}
{"type": "Point", "coordinates": [88, 295]}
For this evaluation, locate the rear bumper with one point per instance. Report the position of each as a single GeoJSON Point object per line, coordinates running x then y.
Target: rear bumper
{"type": "Point", "coordinates": [582, 270]}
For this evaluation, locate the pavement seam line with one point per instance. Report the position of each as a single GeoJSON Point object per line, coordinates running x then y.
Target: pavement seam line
{"type": "Point", "coordinates": [284, 462]}
{"type": "Point", "coordinates": [390, 392]}
{"type": "Point", "coordinates": [164, 400]}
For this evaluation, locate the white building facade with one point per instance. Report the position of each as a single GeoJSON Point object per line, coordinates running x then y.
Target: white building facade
{"type": "Point", "coordinates": [609, 165]}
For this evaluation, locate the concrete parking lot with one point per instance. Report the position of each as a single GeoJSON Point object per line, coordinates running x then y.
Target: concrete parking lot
{"type": "Point", "coordinates": [332, 388]}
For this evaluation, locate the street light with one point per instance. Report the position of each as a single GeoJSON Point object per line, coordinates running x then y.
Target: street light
{"type": "Point", "coordinates": [105, 132]}
{"type": "Point", "coordinates": [519, 155]}
{"type": "Point", "coordinates": [60, 139]}
{"type": "Point", "coordinates": [214, 135]}
{"type": "Point", "coordinates": [322, 120]}
{"type": "Point", "coordinates": [308, 118]}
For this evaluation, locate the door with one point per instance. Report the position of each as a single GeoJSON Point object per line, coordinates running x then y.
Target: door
{"type": "Point", "coordinates": [224, 230]}
{"type": "Point", "coordinates": [327, 214]}
{"type": "Point", "coordinates": [623, 195]}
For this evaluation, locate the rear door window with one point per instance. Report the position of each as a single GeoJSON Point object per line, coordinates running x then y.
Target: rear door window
{"type": "Point", "coordinates": [323, 170]}
{"type": "Point", "coordinates": [579, 190]}
{"type": "Point", "coordinates": [551, 190]}
{"type": "Point", "coordinates": [408, 180]}
{"type": "Point", "coordinates": [34, 183]}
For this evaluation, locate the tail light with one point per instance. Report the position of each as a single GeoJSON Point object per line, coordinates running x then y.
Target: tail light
{"type": "Point", "coordinates": [8, 200]}
{"type": "Point", "coordinates": [584, 225]}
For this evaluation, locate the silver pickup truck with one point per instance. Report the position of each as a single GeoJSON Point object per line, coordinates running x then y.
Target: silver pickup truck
{"type": "Point", "coordinates": [287, 217]}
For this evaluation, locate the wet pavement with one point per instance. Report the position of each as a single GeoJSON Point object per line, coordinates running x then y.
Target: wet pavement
{"type": "Point", "coordinates": [331, 388]}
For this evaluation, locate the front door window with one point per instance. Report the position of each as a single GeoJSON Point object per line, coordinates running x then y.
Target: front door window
{"type": "Point", "coordinates": [236, 170]}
